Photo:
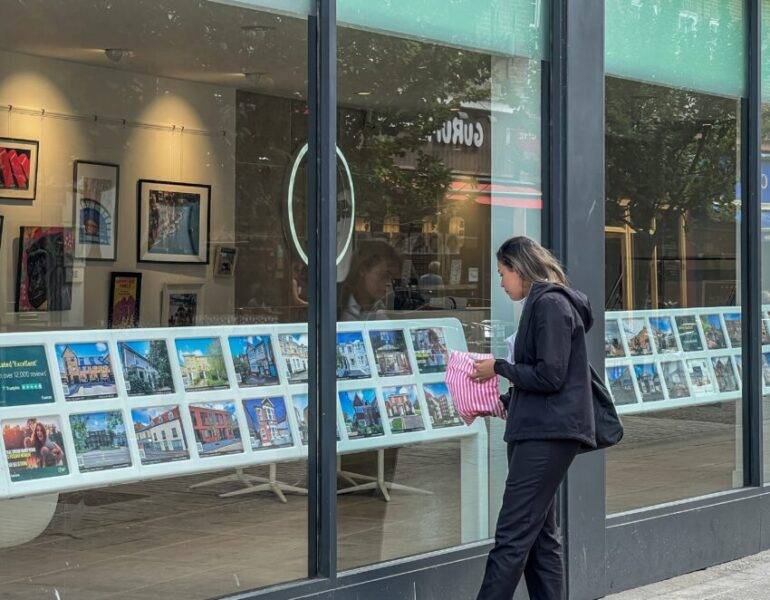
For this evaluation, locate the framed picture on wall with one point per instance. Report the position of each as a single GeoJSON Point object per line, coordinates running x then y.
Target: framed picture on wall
{"type": "Point", "coordinates": [125, 295]}
{"type": "Point", "coordinates": [173, 222]}
{"type": "Point", "coordinates": [18, 169]}
{"type": "Point", "coordinates": [44, 269]}
{"type": "Point", "coordinates": [181, 304]}
{"type": "Point", "coordinates": [224, 261]}
{"type": "Point", "coordinates": [95, 187]}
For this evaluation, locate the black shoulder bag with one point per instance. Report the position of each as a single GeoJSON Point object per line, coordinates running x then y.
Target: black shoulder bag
{"type": "Point", "coordinates": [609, 429]}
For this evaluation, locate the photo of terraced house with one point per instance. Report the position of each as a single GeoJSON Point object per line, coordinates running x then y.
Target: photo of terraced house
{"type": "Point", "coordinates": [216, 428]}
{"type": "Point", "coordinates": [294, 351]}
{"type": "Point", "coordinates": [352, 362]}
{"type": "Point", "coordinates": [202, 363]}
{"type": "Point", "coordinates": [254, 360]}
{"type": "Point", "coordinates": [86, 371]}
{"type": "Point", "coordinates": [403, 408]}
{"type": "Point", "coordinates": [441, 408]}
{"type": "Point", "coordinates": [159, 433]}
{"type": "Point", "coordinates": [361, 413]}
{"type": "Point", "coordinates": [390, 353]}
{"type": "Point", "coordinates": [146, 367]}
{"type": "Point", "coordinates": [268, 422]}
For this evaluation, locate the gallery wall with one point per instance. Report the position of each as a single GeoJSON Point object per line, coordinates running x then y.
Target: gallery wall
{"type": "Point", "coordinates": [174, 131]}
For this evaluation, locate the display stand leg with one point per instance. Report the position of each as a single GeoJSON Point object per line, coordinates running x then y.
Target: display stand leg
{"type": "Point", "coordinates": [263, 484]}
{"type": "Point", "coordinates": [474, 487]}
{"type": "Point", "coordinates": [375, 483]}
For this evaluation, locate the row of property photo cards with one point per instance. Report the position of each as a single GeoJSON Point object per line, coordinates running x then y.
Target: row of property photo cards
{"type": "Point", "coordinates": [35, 447]}
{"type": "Point", "coordinates": [691, 378]}
{"type": "Point", "coordinates": [668, 334]}
{"type": "Point", "coordinates": [86, 368]}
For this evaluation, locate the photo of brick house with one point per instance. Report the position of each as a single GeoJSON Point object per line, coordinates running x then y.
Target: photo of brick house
{"type": "Point", "coordinates": [403, 408]}
{"type": "Point", "coordinates": [86, 370]}
{"type": "Point", "coordinates": [160, 434]}
{"type": "Point", "coordinates": [268, 422]}
{"type": "Point", "coordinates": [361, 413]}
{"type": "Point", "coordinates": [216, 428]}
{"type": "Point", "coordinates": [441, 408]}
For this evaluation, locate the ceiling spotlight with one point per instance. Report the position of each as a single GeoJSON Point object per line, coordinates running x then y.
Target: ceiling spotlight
{"type": "Point", "coordinates": [116, 54]}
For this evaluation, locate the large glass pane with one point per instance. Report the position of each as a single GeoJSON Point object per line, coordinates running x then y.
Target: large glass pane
{"type": "Point", "coordinates": [765, 239]}
{"type": "Point", "coordinates": [673, 323]}
{"type": "Point", "coordinates": [152, 353]}
{"type": "Point", "coordinates": [440, 126]}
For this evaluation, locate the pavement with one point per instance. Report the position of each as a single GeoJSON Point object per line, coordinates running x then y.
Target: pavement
{"type": "Point", "coordinates": [744, 579]}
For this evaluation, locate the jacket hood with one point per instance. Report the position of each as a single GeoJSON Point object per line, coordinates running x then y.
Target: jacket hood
{"type": "Point", "coordinates": [578, 299]}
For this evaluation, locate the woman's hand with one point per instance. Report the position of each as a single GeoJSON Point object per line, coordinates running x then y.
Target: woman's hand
{"type": "Point", "coordinates": [485, 369]}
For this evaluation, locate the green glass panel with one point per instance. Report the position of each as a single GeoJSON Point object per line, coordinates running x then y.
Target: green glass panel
{"type": "Point", "coordinates": [508, 27]}
{"type": "Point", "coordinates": [692, 44]}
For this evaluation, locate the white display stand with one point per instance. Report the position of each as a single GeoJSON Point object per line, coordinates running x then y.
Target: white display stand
{"type": "Point", "coordinates": [657, 357]}
{"type": "Point", "coordinates": [473, 438]}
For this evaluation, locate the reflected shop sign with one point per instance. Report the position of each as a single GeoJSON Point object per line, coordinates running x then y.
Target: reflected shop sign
{"type": "Point", "coordinates": [458, 132]}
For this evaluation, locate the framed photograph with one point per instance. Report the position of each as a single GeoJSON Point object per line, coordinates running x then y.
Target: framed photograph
{"type": "Point", "coordinates": [159, 434]}
{"type": "Point", "coordinates": [675, 379]}
{"type": "Point", "coordinates": [216, 428]}
{"type": "Point", "coordinates": [173, 222]}
{"type": "Point", "coordinates": [712, 332]}
{"type": "Point", "coordinates": [224, 261]}
{"type": "Point", "coordinates": [663, 334]}
{"type": "Point", "coordinates": [688, 333]}
{"type": "Point", "coordinates": [613, 345]}
{"type": "Point", "coordinates": [254, 360]}
{"type": "Point", "coordinates": [403, 408]}
{"type": "Point", "coordinates": [125, 294]}
{"type": "Point", "coordinates": [441, 407]}
{"type": "Point", "coordinates": [637, 336]}
{"type": "Point", "coordinates": [430, 349]}
{"type": "Point", "coordinates": [650, 384]}
{"type": "Point", "coordinates": [700, 376]}
{"type": "Point", "coordinates": [202, 363]}
{"type": "Point", "coordinates": [361, 413]}
{"type": "Point", "coordinates": [146, 367]}
{"type": "Point", "coordinates": [34, 448]}
{"type": "Point", "coordinates": [352, 361]}
{"type": "Point", "coordinates": [181, 304]}
{"type": "Point", "coordinates": [390, 352]}
{"type": "Point", "coordinates": [96, 210]}
{"type": "Point", "coordinates": [268, 422]}
{"type": "Point", "coordinates": [294, 349]}
{"type": "Point", "coordinates": [734, 330]}
{"type": "Point", "coordinates": [44, 269]}
{"type": "Point", "coordinates": [18, 169]}
{"type": "Point", "coordinates": [100, 441]}
{"type": "Point", "coordinates": [724, 374]}
{"type": "Point", "coordinates": [621, 385]}
{"type": "Point", "coordinates": [86, 371]}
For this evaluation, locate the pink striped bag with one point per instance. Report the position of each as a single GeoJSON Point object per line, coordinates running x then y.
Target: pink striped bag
{"type": "Point", "coordinates": [472, 398]}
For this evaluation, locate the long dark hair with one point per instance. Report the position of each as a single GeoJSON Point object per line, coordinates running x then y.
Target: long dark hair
{"type": "Point", "coordinates": [531, 261]}
{"type": "Point", "coordinates": [38, 442]}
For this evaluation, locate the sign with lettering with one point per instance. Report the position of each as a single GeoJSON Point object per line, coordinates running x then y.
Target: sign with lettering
{"type": "Point", "coordinates": [24, 376]}
{"type": "Point", "coordinates": [459, 132]}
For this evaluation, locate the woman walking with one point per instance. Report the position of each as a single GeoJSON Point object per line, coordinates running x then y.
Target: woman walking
{"type": "Point", "coordinates": [550, 416]}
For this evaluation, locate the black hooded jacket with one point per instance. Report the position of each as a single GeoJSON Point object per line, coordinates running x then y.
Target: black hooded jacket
{"type": "Point", "coordinates": [550, 396]}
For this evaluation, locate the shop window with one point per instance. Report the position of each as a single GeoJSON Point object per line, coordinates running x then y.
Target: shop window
{"type": "Point", "coordinates": [673, 334]}
{"type": "Point", "coordinates": [145, 149]}
{"type": "Point", "coordinates": [441, 126]}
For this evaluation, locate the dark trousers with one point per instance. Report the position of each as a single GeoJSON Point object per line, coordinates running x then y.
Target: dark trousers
{"type": "Point", "coordinates": [526, 539]}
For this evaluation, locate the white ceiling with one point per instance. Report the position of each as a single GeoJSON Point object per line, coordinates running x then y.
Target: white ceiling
{"type": "Point", "coordinates": [216, 43]}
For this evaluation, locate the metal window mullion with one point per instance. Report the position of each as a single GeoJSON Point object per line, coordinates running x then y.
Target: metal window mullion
{"type": "Point", "coordinates": [322, 276]}
{"type": "Point", "coordinates": [751, 271]}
